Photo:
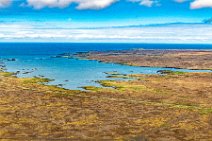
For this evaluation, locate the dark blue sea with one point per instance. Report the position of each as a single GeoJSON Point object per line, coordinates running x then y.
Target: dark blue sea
{"type": "Point", "coordinates": [36, 58]}
{"type": "Point", "coordinates": [57, 48]}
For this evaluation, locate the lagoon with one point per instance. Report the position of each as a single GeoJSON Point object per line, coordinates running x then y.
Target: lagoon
{"type": "Point", "coordinates": [37, 60]}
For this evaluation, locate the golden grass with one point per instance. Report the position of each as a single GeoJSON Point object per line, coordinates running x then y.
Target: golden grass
{"type": "Point", "coordinates": [154, 107]}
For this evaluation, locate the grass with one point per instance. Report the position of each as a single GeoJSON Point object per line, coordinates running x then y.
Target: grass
{"type": "Point", "coordinates": [36, 80]}
{"type": "Point", "coordinates": [91, 88]}
{"type": "Point", "coordinates": [154, 106]}
{"type": "Point", "coordinates": [7, 74]}
{"type": "Point", "coordinates": [112, 73]}
{"type": "Point", "coordinates": [171, 72]}
{"type": "Point", "coordinates": [120, 76]}
{"type": "Point", "coordinates": [117, 75]}
{"type": "Point", "coordinates": [125, 85]}
{"type": "Point", "coordinates": [87, 121]}
{"type": "Point", "coordinates": [156, 58]}
{"type": "Point", "coordinates": [152, 122]}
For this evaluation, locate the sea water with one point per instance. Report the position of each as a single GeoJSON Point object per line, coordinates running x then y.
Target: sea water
{"type": "Point", "coordinates": [36, 59]}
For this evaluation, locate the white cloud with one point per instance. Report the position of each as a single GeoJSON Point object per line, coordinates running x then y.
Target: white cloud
{"type": "Point", "coordinates": [151, 34]}
{"type": "Point", "coordinates": [82, 4]}
{"type": "Point", "coordinates": [147, 3]}
{"type": "Point", "coordinates": [94, 4]}
{"type": "Point", "coordinates": [197, 4]}
{"type": "Point", "coordinates": [4, 3]}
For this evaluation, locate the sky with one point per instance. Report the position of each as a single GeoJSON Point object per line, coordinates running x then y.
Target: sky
{"type": "Point", "coordinates": [140, 21]}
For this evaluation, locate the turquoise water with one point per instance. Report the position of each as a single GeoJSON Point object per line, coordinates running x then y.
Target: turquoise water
{"type": "Point", "coordinates": [70, 73]}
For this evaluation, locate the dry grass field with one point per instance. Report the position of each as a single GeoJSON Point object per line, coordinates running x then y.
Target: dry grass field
{"type": "Point", "coordinates": [173, 107]}
{"type": "Point", "coordinates": [189, 59]}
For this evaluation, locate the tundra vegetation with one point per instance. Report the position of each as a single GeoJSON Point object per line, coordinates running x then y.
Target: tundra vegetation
{"type": "Point", "coordinates": [171, 106]}
{"type": "Point", "coordinates": [188, 59]}
{"type": "Point", "coordinates": [153, 107]}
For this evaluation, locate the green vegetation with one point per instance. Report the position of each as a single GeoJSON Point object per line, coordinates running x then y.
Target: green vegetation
{"type": "Point", "coordinates": [112, 73]}
{"type": "Point", "coordinates": [91, 88]}
{"type": "Point", "coordinates": [119, 76]}
{"type": "Point", "coordinates": [7, 74]}
{"type": "Point", "coordinates": [36, 80]}
{"type": "Point", "coordinates": [171, 72]}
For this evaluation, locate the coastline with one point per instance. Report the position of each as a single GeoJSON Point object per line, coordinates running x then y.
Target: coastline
{"type": "Point", "coordinates": [175, 106]}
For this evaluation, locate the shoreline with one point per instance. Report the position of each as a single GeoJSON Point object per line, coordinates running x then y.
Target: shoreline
{"type": "Point", "coordinates": [151, 56]}
{"type": "Point", "coordinates": [76, 57]}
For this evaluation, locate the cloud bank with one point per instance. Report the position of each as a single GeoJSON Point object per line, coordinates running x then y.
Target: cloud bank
{"type": "Point", "coordinates": [197, 4]}
{"type": "Point", "coordinates": [4, 3]}
{"type": "Point", "coordinates": [100, 4]}
{"type": "Point", "coordinates": [82, 4]}
{"type": "Point", "coordinates": [192, 33]}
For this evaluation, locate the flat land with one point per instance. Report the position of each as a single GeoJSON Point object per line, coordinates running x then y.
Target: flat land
{"type": "Point", "coordinates": [172, 107]}
{"type": "Point", "coordinates": [188, 59]}
{"type": "Point", "coordinates": [151, 107]}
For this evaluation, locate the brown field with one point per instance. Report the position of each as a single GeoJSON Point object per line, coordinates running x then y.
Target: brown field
{"type": "Point", "coordinates": [173, 107]}
{"type": "Point", "coordinates": [189, 59]}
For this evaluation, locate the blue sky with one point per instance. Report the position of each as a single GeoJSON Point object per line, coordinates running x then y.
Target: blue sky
{"type": "Point", "coordinates": [118, 12]}
{"type": "Point", "coordinates": [28, 18]}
